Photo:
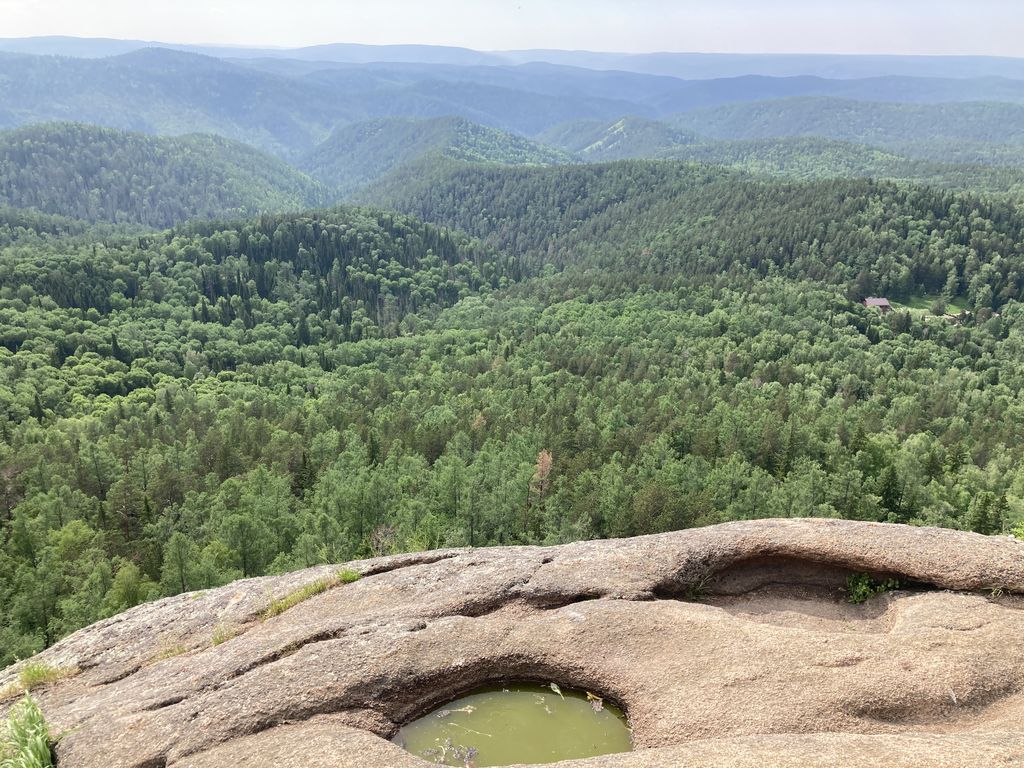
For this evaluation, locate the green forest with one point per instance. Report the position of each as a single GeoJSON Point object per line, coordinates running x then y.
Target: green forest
{"type": "Point", "coordinates": [565, 353]}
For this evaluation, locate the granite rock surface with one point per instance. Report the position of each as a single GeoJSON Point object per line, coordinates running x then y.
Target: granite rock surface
{"type": "Point", "coordinates": [732, 645]}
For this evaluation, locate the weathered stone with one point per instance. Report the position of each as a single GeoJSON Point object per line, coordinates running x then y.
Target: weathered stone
{"type": "Point", "coordinates": [727, 646]}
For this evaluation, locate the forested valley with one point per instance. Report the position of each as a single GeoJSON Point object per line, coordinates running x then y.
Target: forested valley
{"type": "Point", "coordinates": [463, 325]}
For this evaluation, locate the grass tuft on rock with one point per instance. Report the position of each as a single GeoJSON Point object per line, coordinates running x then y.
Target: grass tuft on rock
{"type": "Point", "coordinates": [222, 633]}
{"type": "Point", "coordinates": [170, 651]}
{"type": "Point", "coordinates": [33, 676]}
{"type": "Point", "coordinates": [282, 604]}
{"type": "Point", "coordinates": [25, 742]}
{"type": "Point", "coordinates": [37, 674]}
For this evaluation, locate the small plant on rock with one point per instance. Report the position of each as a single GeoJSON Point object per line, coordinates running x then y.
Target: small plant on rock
{"type": "Point", "coordinates": [348, 576]}
{"type": "Point", "coordinates": [25, 743]}
{"type": "Point", "coordinates": [223, 632]}
{"type": "Point", "coordinates": [170, 651]}
{"type": "Point", "coordinates": [35, 675]}
{"type": "Point", "coordinates": [312, 589]}
{"type": "Point", "coordinates": [860, 587]}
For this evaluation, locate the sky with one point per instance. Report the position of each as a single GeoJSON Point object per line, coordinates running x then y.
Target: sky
{"type": "Point", "coordinates": [985, 27]}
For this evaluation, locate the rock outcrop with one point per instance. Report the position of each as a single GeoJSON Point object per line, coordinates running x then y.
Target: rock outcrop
{"type": "Point", "coordinates": [732, 645]}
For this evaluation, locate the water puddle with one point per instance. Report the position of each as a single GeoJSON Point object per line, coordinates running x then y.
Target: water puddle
{"type": "Point", "coordinates": [517, 723]}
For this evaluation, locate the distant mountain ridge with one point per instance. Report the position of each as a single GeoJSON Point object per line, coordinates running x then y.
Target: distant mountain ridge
{"type": "Point", "coordinates": [357, 125]}
{"type": "Point", "coordinates": [683, 65]}
{"type": "Point", "coordinates": [287, 107]}
{"type": "Point", "coordinates": [166, 92]}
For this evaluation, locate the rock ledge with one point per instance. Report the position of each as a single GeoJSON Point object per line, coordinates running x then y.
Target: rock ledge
{"type": "Point", "coordinates": [727, 646]}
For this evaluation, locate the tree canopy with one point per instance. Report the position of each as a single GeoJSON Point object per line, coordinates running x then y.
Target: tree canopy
{"type": "Point", "coordinates": [564, 353]}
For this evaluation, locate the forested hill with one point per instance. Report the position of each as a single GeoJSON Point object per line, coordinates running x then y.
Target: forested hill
{"type": "Point", "coordinates": [207, 373]}
{"type": "Point", "coordinates": [661, 222]}
{"type": "Point", "coordinates": [983, 167]}
{"type": "Point", "coordinates": [295, 278]}
{"type": "Point", "coordinates": [101, 174]}
{"type": "Point", "coordinates": [948, 132]}
{"type": "Point", "coordinates": [629, 137]}
{"type": "Point", "coordinates": [362, 152]}
{"type": "Point", "coordinates": [169, 93]}
{"type": "Point", "coordinates": [994, 169]}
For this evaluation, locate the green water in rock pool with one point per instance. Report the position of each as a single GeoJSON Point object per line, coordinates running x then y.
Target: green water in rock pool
{"type": "Point", "coordinates": [517, 723]}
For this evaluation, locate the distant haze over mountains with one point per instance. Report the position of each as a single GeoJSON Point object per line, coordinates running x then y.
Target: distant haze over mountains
{"type": "Point", "coordinates": [288, 106]}
{"type": "Point", "coordinates": [684, 65]}
{"type": "Point", "coordinates": [316, 125]}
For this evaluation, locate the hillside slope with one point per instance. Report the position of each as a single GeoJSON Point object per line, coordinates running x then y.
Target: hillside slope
{"type": "Point", "coordinates": [677, 219]}
{"type": "Point", "coordinates": [811, 157]}
{"type": "Point", "coordinates": [945, 132]}
{"type": "Point", "coordinates": [983, 167]}
{"type": "Point", "coordinates": [166, 92]}
{"type": "Point", "coordinates": [102, 174]}
{"type": "Point", "coordinates": [362, 152]}
{"type": "Point", "coordinates": [629, 137]}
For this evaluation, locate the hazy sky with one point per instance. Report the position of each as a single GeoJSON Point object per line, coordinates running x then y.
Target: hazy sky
{"type": "Point", "coordinates": [845, 26]}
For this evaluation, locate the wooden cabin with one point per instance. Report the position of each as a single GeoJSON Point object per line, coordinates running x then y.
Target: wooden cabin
{"type": "Point", "coordinates": [882, 305]}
